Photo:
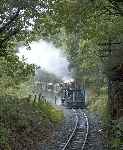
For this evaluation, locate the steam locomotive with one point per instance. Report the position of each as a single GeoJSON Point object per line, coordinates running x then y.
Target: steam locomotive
{"type": "Point", "coordinates": [73, 96]}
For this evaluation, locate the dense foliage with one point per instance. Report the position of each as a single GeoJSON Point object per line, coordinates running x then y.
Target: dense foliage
{"type": "Point", "coordinates": [25, 123]}
{"type": "Point", "coordinates": [89, 30]}
{"type": "Point", "coordinates": [21, 120]}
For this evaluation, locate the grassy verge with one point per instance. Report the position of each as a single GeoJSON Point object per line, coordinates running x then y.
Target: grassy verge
{"type": "Point", "coordinates": [25, 124]}
{"type": "Point", "coordinates": [113, 129]}
{"type": "Point", "coordinates": [116, 140]}
{"type": "Point", "coordinates": [99, 104]}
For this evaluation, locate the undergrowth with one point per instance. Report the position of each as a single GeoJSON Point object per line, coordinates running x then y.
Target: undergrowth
{"type": "Point", "coordinates": [24, 123]}
{"type": "Point", "coordinates": [113, 128]}
{"type": "Point", "coordinates": [98, 104]}
{"type": "Point", "coordinates": [117, 134]}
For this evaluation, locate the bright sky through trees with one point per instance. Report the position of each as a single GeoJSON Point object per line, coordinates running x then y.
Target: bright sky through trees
{"type": "Point", "coordinates": [47, 56]}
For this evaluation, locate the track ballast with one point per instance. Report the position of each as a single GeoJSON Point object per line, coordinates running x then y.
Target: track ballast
{"type": "Point", "coordinates": [78, 137]}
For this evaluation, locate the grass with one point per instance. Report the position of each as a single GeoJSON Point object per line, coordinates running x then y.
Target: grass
{"type": "Point", "coordinates": [99, 104]}
{"type": "Point", "coordinates": [52, 113]}
{"type": "Point", "coordinates": [26, 124]}
{"type": "Point", "coordinates": [117, 134]}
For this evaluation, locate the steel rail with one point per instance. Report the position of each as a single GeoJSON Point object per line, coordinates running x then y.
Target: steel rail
{"type": "Point", "coordinates": [87, 131]}
{"type": "Point", "coordinates": [72, 134]}
{"type": "Point", "coordinates": [74, 131]}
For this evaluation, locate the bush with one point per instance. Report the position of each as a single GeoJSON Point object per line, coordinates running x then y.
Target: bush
{"type": "Point", "coordinates": [52, 113]}
{"type": "Point", "coordinates": [3, 135]}
{"type": "Point", "coordinates": [24, 121]}
{"type": "Point", "coordinates": [117, 134]}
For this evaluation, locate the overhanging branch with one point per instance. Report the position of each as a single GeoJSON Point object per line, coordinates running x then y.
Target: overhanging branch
{"type": "Point", "coordinates": [12, 18]}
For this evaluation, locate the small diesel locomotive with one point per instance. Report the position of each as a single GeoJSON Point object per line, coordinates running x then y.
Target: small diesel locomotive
{"type": "Point", "coordinates": [72, 95]}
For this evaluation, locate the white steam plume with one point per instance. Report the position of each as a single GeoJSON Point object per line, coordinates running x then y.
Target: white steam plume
{"type": "Point", "coordinates": [47, 56]}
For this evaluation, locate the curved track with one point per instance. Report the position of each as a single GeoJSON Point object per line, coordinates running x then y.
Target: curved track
{"type": "Point", "coordinates": [78, 137]}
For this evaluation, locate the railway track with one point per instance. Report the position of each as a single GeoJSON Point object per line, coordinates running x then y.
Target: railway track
{"type": "Point", "coordinates": [78, 137]}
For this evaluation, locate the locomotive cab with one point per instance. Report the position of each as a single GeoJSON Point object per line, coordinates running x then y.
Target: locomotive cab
{"type": "Point", "coordinates": [73, 96]}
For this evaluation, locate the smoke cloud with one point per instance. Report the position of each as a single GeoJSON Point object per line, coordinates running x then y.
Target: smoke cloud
{"type": "Point", "coordinates": [48, 57]}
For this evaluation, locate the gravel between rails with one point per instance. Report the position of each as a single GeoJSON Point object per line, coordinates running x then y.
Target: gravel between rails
{"type": "Point", "coordinates": [62, 133]}
{"type": "Point", "coordinates": [95, 140]}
